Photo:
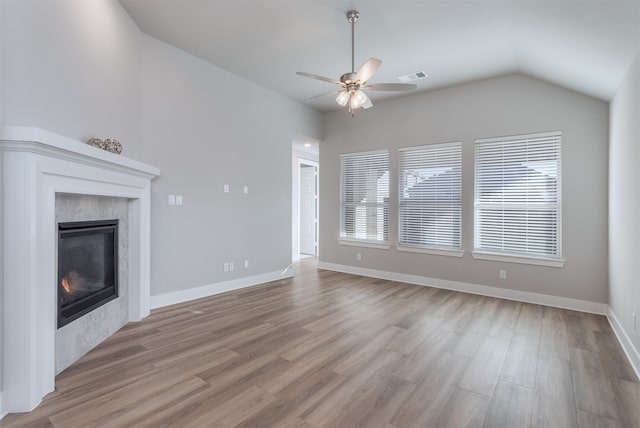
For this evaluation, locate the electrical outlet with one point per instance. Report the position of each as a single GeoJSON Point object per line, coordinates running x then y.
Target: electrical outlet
{"type": "Point", "coordinates": [503, 274]}
{"type": "Point", "coordinates": [230, 265]}
{"type": "Point", "coordinates": [178, 199]}
{"type": "Point", "coordinates": [172, 199]}
{"type": "Point", "coordinates": [358, 256]}
{"type": "Point", "coordinates": [246, 264]}
{"type": "Point", "coordinates": [226, 267]}
{"type": "Point", "coordinates": [226, 188]}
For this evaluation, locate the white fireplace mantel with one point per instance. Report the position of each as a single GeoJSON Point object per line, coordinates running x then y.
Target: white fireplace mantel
{"type": "Point", "coordinates": [36, 165]}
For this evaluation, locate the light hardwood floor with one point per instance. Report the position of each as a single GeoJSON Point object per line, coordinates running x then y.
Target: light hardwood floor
{"type": "Point", "coordinates": [330, 349]}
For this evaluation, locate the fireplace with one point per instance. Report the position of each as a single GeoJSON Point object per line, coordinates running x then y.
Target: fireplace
{"type": "Point", "coordinates": [87, 267]}
{"type": "Point", "coordinates": [39, 166]}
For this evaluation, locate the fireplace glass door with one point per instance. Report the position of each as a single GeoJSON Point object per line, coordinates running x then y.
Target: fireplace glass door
{"type": "Point", "coordinates": [87, 267]}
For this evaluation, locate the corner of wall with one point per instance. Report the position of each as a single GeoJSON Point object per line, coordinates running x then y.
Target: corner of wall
{"type": "Point", "coordinates": [627, 345]}
{"type": "Point", "coordinates": [624, 206]}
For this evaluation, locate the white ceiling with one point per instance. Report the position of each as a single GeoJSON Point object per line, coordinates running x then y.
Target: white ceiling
{"type": "Point", "coordinates": [584, 45]}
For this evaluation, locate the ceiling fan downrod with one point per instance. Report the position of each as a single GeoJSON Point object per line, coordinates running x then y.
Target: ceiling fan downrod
{"type": "Point", "coordinates": [352, 16]}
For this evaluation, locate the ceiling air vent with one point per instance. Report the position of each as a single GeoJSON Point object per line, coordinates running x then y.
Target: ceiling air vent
{"type": "Point", "coordinates": [413, 76]}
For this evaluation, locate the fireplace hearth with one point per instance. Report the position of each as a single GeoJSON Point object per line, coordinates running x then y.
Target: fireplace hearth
{"type": "Point", "coordinates": [87, 267]}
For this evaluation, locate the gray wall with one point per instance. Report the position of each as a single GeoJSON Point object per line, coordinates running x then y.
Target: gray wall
{"type": "Point", "coordinates": [2, 49]}
{"type": "Point", "coordinates": [509, 105]}
{"type": "Point", "coordinates": [83, 334]}
{"type": "Point", "coordinates": [76, 67]}
{"type": "Point", "coordinates": [73, 68]}
{"type": "Point", "coordinates": [624, 203]}
{"type": "Point", "coordinates": [204, 127]}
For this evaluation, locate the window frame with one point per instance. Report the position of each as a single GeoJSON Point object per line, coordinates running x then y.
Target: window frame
{"type": "Point", "coordinates": [516, 257]}
{"type": "Point", "coordinates": [403, 202]}
{"type": "Point", "coordinates": [364, 242]}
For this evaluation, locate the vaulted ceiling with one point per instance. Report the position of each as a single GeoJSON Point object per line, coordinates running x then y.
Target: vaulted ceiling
{"type": "Point", "coordinates": [584, 45]}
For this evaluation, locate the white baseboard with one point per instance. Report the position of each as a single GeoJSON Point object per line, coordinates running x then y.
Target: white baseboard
{"type": "Point", "coordinates": [484, 290]}
{"type": "Point", "coordinates": [220, 287]}
{"type": "Point", "coordinates": [627, 345]}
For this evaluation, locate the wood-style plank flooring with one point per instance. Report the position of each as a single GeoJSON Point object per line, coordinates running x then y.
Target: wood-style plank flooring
{"type": "Point", "coordinates": [331, 349]}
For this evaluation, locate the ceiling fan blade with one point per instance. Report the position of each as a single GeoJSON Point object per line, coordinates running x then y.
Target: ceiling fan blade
{"type": "Point", "coordinates": [321, 95]}
{"type": "Point", "coordinates": [315, 76]}
{"type": "Point", "coordinates": [391, 87]}
{"type": "Point", "coordinates": [368, 69]}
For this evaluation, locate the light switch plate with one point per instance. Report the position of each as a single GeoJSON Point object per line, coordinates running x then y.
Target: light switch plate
{"type": "Point", "coordinates": [172, 199]}
{"type": "Point", "coordinates": [178, 199]}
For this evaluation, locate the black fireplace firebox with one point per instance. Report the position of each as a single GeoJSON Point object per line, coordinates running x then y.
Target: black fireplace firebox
{"type": "Point", "coordinates": [87, 267]}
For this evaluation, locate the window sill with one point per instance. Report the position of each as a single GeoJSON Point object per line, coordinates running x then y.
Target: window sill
{"type": "Point", "coordinates": [435, 251]}
{"type": "Point", "coordinates": [363, 243]}
{"type": "Point", "coordinates": [558, 263]}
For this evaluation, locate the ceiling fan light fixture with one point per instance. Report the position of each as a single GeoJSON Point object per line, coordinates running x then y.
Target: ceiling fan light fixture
{"type": "Point", "coordinates": [343, 98]}
{"type": "Point", "coordinates": [358, 99]}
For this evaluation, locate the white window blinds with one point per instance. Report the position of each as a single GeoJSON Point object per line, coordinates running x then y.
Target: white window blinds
{"type": "Point", "coordinates": [517, 195]}
{"type": "Point", "coordinates": [430, 196]}
{"type": "Point", "coordinates": [364, 196]}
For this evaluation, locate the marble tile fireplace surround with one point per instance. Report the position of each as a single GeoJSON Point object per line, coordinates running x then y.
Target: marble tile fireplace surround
{"type": "Point", "coordinates": [36, 166]}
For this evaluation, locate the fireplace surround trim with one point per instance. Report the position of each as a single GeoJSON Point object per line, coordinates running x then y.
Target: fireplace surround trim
{"type": "Point", "coordinates": [36, 165]}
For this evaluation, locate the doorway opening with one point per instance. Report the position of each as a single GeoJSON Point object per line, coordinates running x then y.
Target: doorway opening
{"type": "Point", "coordinates": [305, 200]}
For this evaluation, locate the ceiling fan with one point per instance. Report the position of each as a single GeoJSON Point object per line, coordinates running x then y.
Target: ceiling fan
{"type": "Point", "coordinates": [351, 93]}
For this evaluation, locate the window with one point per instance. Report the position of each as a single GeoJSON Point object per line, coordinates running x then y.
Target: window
{"type": "Point", "coordinates": [364, 197]}
{"type": "Point", "coordinates": [517, 196]}
{"type": "Point", "coordinates": [430, 197]}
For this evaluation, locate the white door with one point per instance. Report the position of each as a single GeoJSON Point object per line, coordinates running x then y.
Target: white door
{"type": "Point", "coordinates": [308, 209]}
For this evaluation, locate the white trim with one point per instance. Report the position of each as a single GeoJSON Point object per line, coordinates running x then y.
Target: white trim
{"type": "Point", "coordinates": [59, 146]}
{"type": "Point", "coordinates": [362, 243]}
{"type": "Point", "coordinates": [181, 296]}
{"type": "Point", "coordinates": [436, 251]}
{"type": "Point", "coordinates": [309, 162]}
{"type": "Point", "coordinates": [627, 345]}
{"type": "Point", "coordinates": [3, 413]}
{"type": "Point", "coordinates": [370, 152]}
{"type": "Point", "coordinates": [519, 137]}
{"type": "Point", "coordinates": [484, 290]}
{"type": "Point", "coordinates": [558, 263]}
{"type": "Point", "coordinates": [430, 146]}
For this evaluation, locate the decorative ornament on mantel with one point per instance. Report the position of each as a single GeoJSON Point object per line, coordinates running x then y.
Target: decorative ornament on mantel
{"type": "Point", "coordinates": [110, 144]}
